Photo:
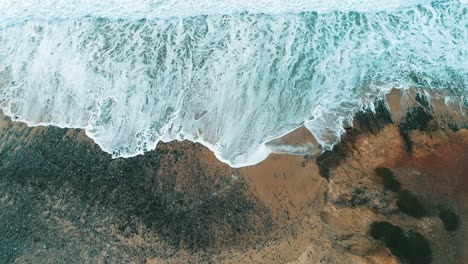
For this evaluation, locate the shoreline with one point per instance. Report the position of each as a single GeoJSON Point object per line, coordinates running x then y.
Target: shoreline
{"type": "Point", "coordinates": [301, 141]}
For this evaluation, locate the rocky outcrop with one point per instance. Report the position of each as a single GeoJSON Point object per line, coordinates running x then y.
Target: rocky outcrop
{"type": "Point", "coordinates": [396, 175]}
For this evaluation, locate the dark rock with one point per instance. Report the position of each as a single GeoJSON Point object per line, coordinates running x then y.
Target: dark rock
{"type": "Point", "coordinates": [409, 204]}
{"type": "Point", "coordinates": [373, 122]}
{"type": "Point", "coordinates": [389, 181]}
{"type": "Point", "coordinates": [50, 171]}
{"type": "Point", "coordinates": [416, 118]}
{"type": "Point", "coordinates": [449, 218]}
{"type": "Point", "coordinates": [331, 159]}
{"type": "Point", "coordinates": [410, 247]}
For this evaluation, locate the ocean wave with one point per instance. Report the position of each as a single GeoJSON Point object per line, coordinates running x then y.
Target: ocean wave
{"type": "Point", "coordinates": [14, 12]}
{"type": "Point", "coordinates": [231, 76]}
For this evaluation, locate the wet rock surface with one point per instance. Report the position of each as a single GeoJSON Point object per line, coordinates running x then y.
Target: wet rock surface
{"type": "Point", "coordinates": [60, 200]}
{"type": "Point", "coordinates": [387, 183]}
{"type": "Point", "coordinates": [410, 246]}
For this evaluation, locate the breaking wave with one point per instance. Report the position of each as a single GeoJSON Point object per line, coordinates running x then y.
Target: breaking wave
{"type": "Point", "coordinates": [231, 75]}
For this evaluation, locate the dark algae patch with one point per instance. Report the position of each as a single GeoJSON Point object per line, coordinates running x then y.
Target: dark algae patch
{"type": "Point", "coordinates": [405, 136]}
{"type": "Point", "coordinates": [449, 218]}
{"type": "Point", "coordinates": [417, 118]}
{"type": "Point", "coordinates": [359, 198]}
{"type": "Point", "coordinates": [409, 204]}
{"type": "Point", "coordinates": [372, 122]}
{"type": "Point", "coordinates": [366, 122]}
{"type": "Point", "coordinates": [422, 100]}
{"type": "Point", "coordinates": [74, 199]}
{"type": "Point", "coordinates": [389, 181]}
{"type": "Point", "coordinates": [331, 159]}
{"type": "Point", "coordinates": [453, 126]}
{"type": "Point", "coordinates": [410, 247]}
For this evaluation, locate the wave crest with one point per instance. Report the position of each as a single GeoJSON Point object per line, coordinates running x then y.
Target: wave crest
{"type": "Point", "coordinates": [231, 82]}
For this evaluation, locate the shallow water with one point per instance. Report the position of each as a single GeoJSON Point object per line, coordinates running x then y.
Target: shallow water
{"type": "Point", "coordinates": [229, 74]}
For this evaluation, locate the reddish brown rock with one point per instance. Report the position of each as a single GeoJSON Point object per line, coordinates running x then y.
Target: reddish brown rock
{"type": "Point", "coordinates": [66, 200]}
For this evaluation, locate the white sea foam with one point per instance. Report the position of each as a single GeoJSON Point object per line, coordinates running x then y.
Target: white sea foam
{"type": "Point", "coordinates": [13, 11]}
{"type": "Point", "coordinates": [133, 73]}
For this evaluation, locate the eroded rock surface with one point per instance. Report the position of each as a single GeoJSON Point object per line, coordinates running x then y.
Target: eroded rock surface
{"type": "Point", "coordinates": [63, 200]}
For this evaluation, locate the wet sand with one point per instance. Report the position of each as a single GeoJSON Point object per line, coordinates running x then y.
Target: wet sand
{"type": "Point", "coordinates": [63, 200]}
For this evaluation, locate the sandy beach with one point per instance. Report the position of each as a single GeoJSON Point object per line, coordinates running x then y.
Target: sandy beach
{"type": "Point", "coordinates": [64, 199]}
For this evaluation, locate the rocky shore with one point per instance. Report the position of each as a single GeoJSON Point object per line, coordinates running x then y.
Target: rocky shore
{"type": "Point", "coordinates": [394, 190]}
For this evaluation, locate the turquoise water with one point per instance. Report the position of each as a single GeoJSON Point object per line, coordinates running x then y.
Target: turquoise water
{"type": "Point", "coordinates": [229, 74]}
